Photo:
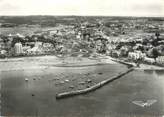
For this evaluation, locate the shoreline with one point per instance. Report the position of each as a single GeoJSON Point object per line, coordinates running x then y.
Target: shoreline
{"type": "Point", "coordinates": [49, 62]}
{"type": "Point", "coordinates": [143, 66]}
{"type": "Point", "coordinates": [24, 57]}
{"type": "Point", "coordinates": [64, 62]}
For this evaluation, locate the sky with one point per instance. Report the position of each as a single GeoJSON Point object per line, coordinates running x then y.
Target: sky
{"type": "Point", "coordinates": [146, 8]}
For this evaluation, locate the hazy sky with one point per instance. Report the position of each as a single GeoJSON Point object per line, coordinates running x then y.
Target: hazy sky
{"type": "Point", "coordinates": [83, 7]}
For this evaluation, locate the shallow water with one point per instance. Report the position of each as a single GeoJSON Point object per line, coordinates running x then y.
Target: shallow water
{"type": "Point", "coordinates": [37, 96]}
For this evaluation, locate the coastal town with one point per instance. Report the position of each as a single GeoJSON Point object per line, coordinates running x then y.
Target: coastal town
{"type": "Point", "coordinates": [81, 66]}
{"type": "Point", "coordinates": [131, 40]}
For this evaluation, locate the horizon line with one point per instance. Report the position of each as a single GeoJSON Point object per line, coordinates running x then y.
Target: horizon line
{"type": "Point", "coordinates": [84, 16]}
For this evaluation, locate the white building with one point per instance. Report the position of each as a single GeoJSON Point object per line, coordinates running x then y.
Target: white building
{"type": "Point", "coordinates": [149, 60]}
{"type": "Point", "coordinates": [18, 49]}
{"type": "Point", "coordinates": [3, 52]}
{"type": "Point", "coordinates": [136, 55]}
{"type": "Point", "coordinates": [160, 60]}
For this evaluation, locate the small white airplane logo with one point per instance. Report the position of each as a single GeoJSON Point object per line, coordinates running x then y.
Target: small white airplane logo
{"type": "Point", "coordinates": [144, 104]}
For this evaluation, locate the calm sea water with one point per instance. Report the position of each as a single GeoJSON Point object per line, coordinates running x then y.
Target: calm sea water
{"type": "Point", "coordinates": [37, 97]}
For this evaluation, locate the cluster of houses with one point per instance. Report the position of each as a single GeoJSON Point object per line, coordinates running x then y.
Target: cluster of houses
{"type": "Point", "coordinates": [56, 41]}
{"type": "Point", "coordinates": [88, 38]}
{"type": "Point", "coordinates": [148, 48]}
{"type": "Point", "coordinates": [19, 45]}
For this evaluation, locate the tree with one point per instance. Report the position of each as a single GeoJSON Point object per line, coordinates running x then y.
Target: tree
{"type": "Point", "coordinates": [155, 53]}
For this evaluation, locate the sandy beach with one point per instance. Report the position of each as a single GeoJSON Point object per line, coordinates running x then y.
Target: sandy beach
{"type": "Point", "coordinates": [65, 74]}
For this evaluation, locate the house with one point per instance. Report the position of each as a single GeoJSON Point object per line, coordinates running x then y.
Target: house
{"type": "Point", "coordinates": [3, 52]}
{"type": "Point", "coordinates": [115, 53]}
{"type": "Point", "coordinates": [136, 55]}
{"type": "Point", "coordinates": [2, 44]}
{"type": "Point", "coordinates": [20, 35]}
{"type": "Point", "coordinates": [149, 60]}
{"type": "Point", "coordinates": [34, 50]}
{"type": "Point", "coordinates": [18, 49]}
{"type": "Point", "coordinates": [160, 60]}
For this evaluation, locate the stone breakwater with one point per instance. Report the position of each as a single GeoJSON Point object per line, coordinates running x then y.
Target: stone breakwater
{"type": "Point", "coordinates": [94, 87]}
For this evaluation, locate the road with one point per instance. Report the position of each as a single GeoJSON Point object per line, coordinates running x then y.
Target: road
{"type": "Point", "coordinates": [116, 99]}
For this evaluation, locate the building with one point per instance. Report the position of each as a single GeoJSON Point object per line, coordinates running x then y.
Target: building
{"type": "Point", "coordinates": [2, 44]}
{"type": "Point", "coordinates": [160, 60]}
{"type": "Point", "coordinates": [18, 49]}
{"type": "Point", "coordinates": [136, 55]}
